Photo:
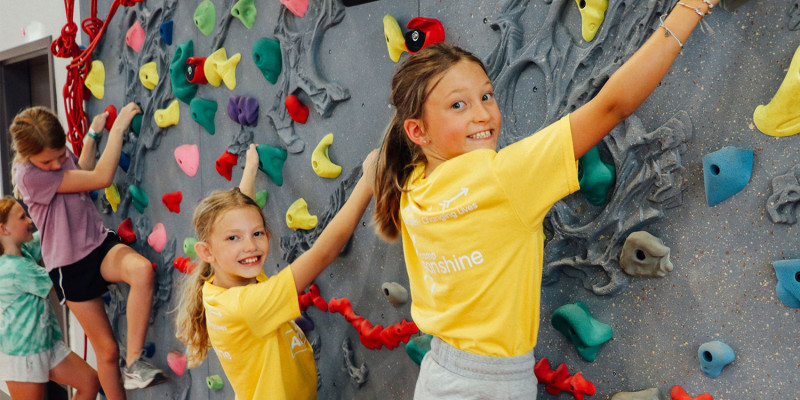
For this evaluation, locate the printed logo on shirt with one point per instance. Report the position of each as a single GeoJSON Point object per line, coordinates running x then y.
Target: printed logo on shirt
{"type": "Point", "coordinates": [223, 354]}
{"type": "Point", "coordinates": [296, 338]}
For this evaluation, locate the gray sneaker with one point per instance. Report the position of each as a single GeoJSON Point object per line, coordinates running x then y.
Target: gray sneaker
{"type": "Point", "coordinates": [141, 374]}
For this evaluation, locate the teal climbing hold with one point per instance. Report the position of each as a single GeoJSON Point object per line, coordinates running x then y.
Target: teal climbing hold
{"type": "Point", "coordinates": [267, 56]}
{"type": "Point", "coordinates": [261, 198]}
{"type": "Point", "coordinates": [205, 15]}
{"type": "Point", "coordinates": [270, 160]}
{"type": "Point", "coordinates": [788, 287]}
{"type": "Point", "coordinates": [595, 177]}
{"type": "Point", "coordinates": [188, 247]}
{"type": "Point", "coordinates": [181, 87]}
{"type": "Point", "coordinates": [417, 347]}
{"type": "Point", "coordinates": [203, 112]}
{"type": "Point", "coordinates": [245, 10]}
{"type": "Point", "coordinates": [136, 124]}
{"type": "Point", "coordinates": [726, 172]}
{"type": "Point", "coordinates": [139, 198]}
{"type": "Point", "coordinates": [585, 332]}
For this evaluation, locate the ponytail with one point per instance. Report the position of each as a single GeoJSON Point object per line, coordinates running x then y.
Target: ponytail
{"type": "Point", "coordinates": [190, 324]}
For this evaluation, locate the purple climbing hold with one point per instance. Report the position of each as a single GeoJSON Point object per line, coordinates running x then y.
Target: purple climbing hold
{"type": "Point", "coordinates": [243, 109]}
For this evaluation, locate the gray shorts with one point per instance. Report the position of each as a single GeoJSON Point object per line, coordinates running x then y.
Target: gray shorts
{"type": "Point", "coordinates": [449, 373]}
{"type": "Point", "coordinates": [33, 367]}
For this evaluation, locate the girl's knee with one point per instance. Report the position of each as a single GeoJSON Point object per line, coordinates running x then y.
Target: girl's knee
{"type": "Point", "coordinates": [142, 274]}
{"type": "Point", "coordinates": [89, 384]}
{"type": "Point", "coordinates": [106, 351]}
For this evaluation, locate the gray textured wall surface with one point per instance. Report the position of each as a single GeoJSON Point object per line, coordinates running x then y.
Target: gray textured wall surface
{"type": "Point", "coordinates": [723, 284]}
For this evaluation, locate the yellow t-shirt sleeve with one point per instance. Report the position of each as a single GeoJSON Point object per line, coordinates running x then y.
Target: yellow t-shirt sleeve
{"type": "Point", "coordinates": [270, 303]}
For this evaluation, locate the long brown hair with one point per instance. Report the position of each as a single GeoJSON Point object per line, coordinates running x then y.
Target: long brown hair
{"type": "Point", "coordinates": [413, 81]}
{"type": "Point", "coordinates": [6, 204]}
{"type": "Point", "coordinates": [34, 130]}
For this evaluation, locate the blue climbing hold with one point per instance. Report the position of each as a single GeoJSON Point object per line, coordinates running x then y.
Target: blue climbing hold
{"type": "Point", "coordinates": [149, 349]}
{"type": "Point", "coordinates": [726, 172]}
{"type": "Point", "coordinates": [595, 177]}
{"type": "Point", "coordinates": [124, 161]}
{"type": "Point", "coordinates": [93, 194]}
{"type": "Point", "coordinates": [166, 31]}
{"type": "Point", "coordinates": [714, 356]}
{"type": "Point", "coordinates": [585, 332]}
{"type": "Point", "coordinates": [788, 287]}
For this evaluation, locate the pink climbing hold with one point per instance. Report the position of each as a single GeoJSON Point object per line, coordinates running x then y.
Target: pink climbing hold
{"type": "Point", "coordinates": [172, 201]}
{"type": "Point", "coordinates": [135, 36]}
{"type": "Point", "coordinates": [297, 7]}
{"type": "Point", "coordinates": [126, 232]}
{"type": "Point", "coordinates": [158, 238]}
{"type": "Point", "coordinates": [177, 362]}
{"type": "Point", "coordinates": [188, 158]}
{"type": "Point", "coordinates": [112, 116]}
{"type": "Point", "coordinates": [225, 164]}
{"type": "Point", "coordinates": [297, 110]}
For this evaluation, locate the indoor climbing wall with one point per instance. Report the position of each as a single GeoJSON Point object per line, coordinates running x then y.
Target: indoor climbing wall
{"type": "Point", "coordinates": [658, 270]}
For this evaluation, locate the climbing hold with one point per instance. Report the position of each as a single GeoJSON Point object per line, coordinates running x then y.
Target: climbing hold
{"type": "Point", "coordinates": [126, 232]}
{"type": "Point", "coordinates": [417, 347]}
{"type": "Point", "coordinates": [149, 349]}
{"type": "Point", "coordinates": [320, 161]}
{"type": "Point", "coordinates": [267, 57]}
{"type": "Point", "coordinates": [261, 198]}
{"type": "Point", "coordinates": [647, 394]}
{"type": "Point", "coordinates": [271, 160]}
{"type": "Point", "coordinates": [246, 11]}
{"type": "Point", "coordinates": [780, 117]}
{"type": "Point", "coordinates": [297, 110]}
{"type": "Point", "coordinates": [358, 375]}
{"type": "Point", "coordinates": [148, 75]}
{"type": "Point", "coordinates": [96, 79]}
{"type": "Point", "coordinates": [731, 5]}
{"type": "Point", "coordinates": [188, 247]}
{"type": "Point", "coordinates": [203, 112]}
{"type": "Point", "coordinates": [172, 201]}
{"type": "Point", "coordinates": [559, 380]}
{"type": "Point", "coordinates": [243, 109]}
{"type": "Point", "coordinates": [677, 393]}
{"type": "Point", "coordinates": [593, 12]}
{"type": "Point", "coordinates": [158, 237]}
{"type": "Point", "coordinates": [596, 178]}
{"type": "Point", "coordinates": [726, 172]}
{"type": "Point", "coordinates": [395, 293]}
{"type": "Point", "coordinates": [297, 217]}
{"type": "Point", "coordinates": [714, 356]}
{"type": "Point", "coordinates": [94, 194]}
{"type": "Point", "coordinates": [112, 195]}
{"type": "Point", "coordinates": [136, 124]}
{"type": "Point", "coordinates": [165, 30]}
{"type": "Point", "coordinates": [395, 42]}
{"type": "Point", "coordinates": [645, 255]}
{"type": "Point", "coordinates": [205, 16]}
{"type": "Point", "coordinates": [423, 32]}
{"type": "Point", "coordinates": [219, 68]}
{"type": "Point", "coordinates": [788, 287]}
{"type": "Point", "coordinates": [188, 158]}
{"type": "Point", "coordinates": [139, 198]}
{"type": "Point", "coordinates": [112, 116]}
{"type": "Point", "coordinates": [304, 322]}
{"type": "Point", "coordinates": [183, 264]}
{"type": "Point", "coordinates": [135, 36]}
{"type": "Point", "coordinates": [124, 161]}
{"type": "Point", "coordinates": [181, 87]}
{"type": "Point", "coordinates": [297, 7]}
{"type": "Point", "coordinates": [351, 3]}
{"type": "Point", "coordinates": [195, 70]}
{"type": "Point", "coordinates": [585, 332]}
{"type": "Point", "coordinates": [225, 164]}
{"type": "Point", "coordinates": [169, 116]}
{"type": "Point", "coordinates": [214, 382]}
{"type": "Point", "coordinates": [177, 362]}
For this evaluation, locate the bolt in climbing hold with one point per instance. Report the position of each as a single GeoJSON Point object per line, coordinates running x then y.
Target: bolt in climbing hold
{"type": "Point", "coordinates": [195, 70]}
{"type": "Point", "coordinates": [245, 11]}
{"type": "Point", "coordinates": [645, 255]}
{"type": "Point", "coordinates": [395, 293]}
{"type": "Point", "coordinates": [214, 382]}
{"type": "Point", "coordinates": [788, 286]}
{"type": "Point", "coordinates": [148, 75]}
{"type": "Point", "coordinates": [181, 87]}
{"type": "Point", "coordinates": [205, 16]}
{"type": "Point", "coordinates": [423, 32]}
{"type": "Point", "coordinates": [726, 172]}
{"type": "Point", "coordinates": [169, 116]}
{"type": "Point", "coordinates": [714, 356]}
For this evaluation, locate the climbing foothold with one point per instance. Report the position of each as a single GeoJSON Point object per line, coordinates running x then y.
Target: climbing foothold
{"type": "Point", "coordinates": [188, 247]}
{"type": "Point", "coordinates": [647, 394]}
{"type": "Point", "coordinates": [219, 68]}
{"type": "Point", "coordinates": [188, 158]}
{"type": "Point", "coordinates": [243, 109]}
{"type": "Point", "coordinates": [165, 30]}
{"type": "Point", "coordinates": [135, 36]}
{"type": "Point", "coordinates": [731, 5]}
{"type": "Point", "coordinates": [124, 161]}
{"type": "Point", "coordinates": [726, 172]}
{"type": "Point", "coordinates": [645, 255]}
{"type": "Point", "coordinates": [417, 347]}
{"type": "Point", "coordinates": [351, 3]}
{"type": "Point", "coordinates": [297, 110]}
{"type": "Point", "coordinates": [395, 42]}
{"type": "Point", "coordinates": [781, 116]}
{"type": "Point", "coordinates": [297, 7]}
{"type": "Point", "coordinates": [245, 11]}
{"type": "Point", "coordinates": [596, 178]}
{"type": "Point", "coordinates": [183, 264]}
{"type": "Point", "coordinates": [423, 32]}
{"type": "Point", "coordinates": [593, 12]}
{"type": "Point", "coordinates": [195, 70]}
{"type": "Point", "coordinates": [158, 237]}
{"type": "Point", "coordinates": [112, 116]}
{"type": "Point", "coordinates": [148, 75]}
{"type": "Point", "coordinates": [304, 322]}
{"type": "Point", "coordinates": [714, 356]}
{"type": "Point", "coordinates": [94, 194]}
{"type": "Point", "coordinates": [298, 217]}
{"type": "Point", "coordinates": [205, 16]}
{"type": "Point", "coordinates": [576, 323]}
{"type": "Point", "coordinates": [261, 198]}
{"type": "Point", "coordinates": [559, 380]}
{"type": "Point", "coordinates": [136, 124]}
{"type": "Point", "coordinates": [395, 293]}
{"type": "Point", "coordinates": [112, 195]}
{"type": "Point", "coordinates": [96, 79]}
{"type": "Point", "coordinates": [321, 162]}
{"type": "Point", "coordinates": [225, 163]}
{"type": "Point", "coordinates": [181, 87]}
{"type": "Point", "coordinates": [214, 382]}
{"type": "Point", "coordinates": [176, 362]}
{"type": "Point", "coordinates": [267, 57]}
{"type": "Point", "coordinates": [172, 201]}
{"type": "Point", "coordinates": [271, 160]}
{"type": "Point", "coordinates": [149, 349]}
{"type": "Point", "coordinates": [139, 198]}
{"type": "Point", "coordinates": [126, 232]}
{"type": "Point", "coordinates": [169, 116]}
{"type": "Point", "coordinates": [788, 287]}
{"type": "Point", "coordinates": [677, 393]}
{"type": "Point", "coordinates": [203, 112]}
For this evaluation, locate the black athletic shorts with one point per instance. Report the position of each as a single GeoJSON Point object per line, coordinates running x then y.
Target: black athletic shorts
{"type": "Point", "coordinates": [81, 280]}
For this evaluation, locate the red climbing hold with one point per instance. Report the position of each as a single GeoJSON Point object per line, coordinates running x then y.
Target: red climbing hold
{"type": "Point", "coordinates": [183, 264]}
{"type": "Point", "coordinates": [225, 164]}
{"type": "Point", "coordinates": [560, 380]}
{"type": "Point", "coordinates": [297, 110]}
{"type": "Point", "coordinates": [112, 116]}
{"type": "Point", "coordinates": [125, 231]}
{"type": "Point", "coordinates": [194, 70]}
{"type": "Point", "coordinates": [173, 201]}
{"type": "Point", "coordinates": [677, 393]}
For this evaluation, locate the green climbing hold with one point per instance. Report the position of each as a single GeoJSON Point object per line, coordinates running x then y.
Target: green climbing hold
{"type": "Point", "coordinates": [245, 10]}
{"type": "Point", "coordinates": [585, 332]}
{"type": "Point", "coordinates": [417, 347]}
{"type": "Point", "coordinates": [270, 160]}
{"type": "Point", "coordinates": [139, 198]}
{"type": "Point", "coordinates": [261, 198]}
{"type": "Point", "coordinates": [181, 87]}
{"type": "Point", "coordinates": [214, 382]}
{"type": "Point", "coordinates": [267, 56]}
{"type": "Point", "coordinates": [136, 124]}
{"type": "Point", "coordinates": [595, 177]}
{"type": "Point", "coordinates": [203, 112]}
{"type": "Point", "coordinates": [205, 15]}
{"type": "Point", "coordinates": [188, 247]}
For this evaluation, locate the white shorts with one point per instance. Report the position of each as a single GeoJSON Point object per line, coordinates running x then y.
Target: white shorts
{"type": "Point", "coordinates": [33, 367]}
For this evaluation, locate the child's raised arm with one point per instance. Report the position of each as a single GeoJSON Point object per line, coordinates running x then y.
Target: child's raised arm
{"type": "Point", "coordinates": [248, 182]}
{"type": "Point", "coordinates": [338, 232]}
{"type": "Point", "coordinates": [87, 160]}
{"type": "Point", "coordinates": [630, 85]}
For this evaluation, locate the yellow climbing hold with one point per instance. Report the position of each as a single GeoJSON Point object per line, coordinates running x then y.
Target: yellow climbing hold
{"type": "Point", "coordinates": [148, 74]}
{"type": "Point", "coordinates": [395, 41]}
{"type": "Point", "coordinates": [168, 116]}
{"type": "Point", "coordinates": [112, 195]}
{"type": "Point", "coordinates": [781, 117]}
{"type": "Point", "coordinates": [321, 162]}
{"type": "Point", "coordinates": [593, 12]}
{"type": "Point", "coordinates": [96, 79]}
{"type": "Point", "coordinates": [297, 217]}
{"type": "Point", "coordinates": [219, 68]}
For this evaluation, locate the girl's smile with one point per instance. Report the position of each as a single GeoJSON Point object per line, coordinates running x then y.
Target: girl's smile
{"type": "Point", "coordinates": [237, 247]}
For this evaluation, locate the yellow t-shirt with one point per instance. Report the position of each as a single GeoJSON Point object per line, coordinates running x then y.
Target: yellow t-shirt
{"type": "Point", "coordinates": [263, 352]}
{"type": "Point", "coordinates": [473, 240]}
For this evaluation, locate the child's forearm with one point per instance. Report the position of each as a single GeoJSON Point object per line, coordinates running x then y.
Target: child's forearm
{"type": "Point", "coordinates": [108, 161]}
{"type": "Point", "coordinates": [87, 160]}
{"type": "Point", "coordinates": [248, 183]}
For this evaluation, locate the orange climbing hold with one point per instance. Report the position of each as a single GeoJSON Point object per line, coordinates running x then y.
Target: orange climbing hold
{"type": "Point", "coordinates": [677, 393]}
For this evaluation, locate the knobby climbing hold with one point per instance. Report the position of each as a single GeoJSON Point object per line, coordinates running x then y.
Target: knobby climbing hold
{"type": "Point", "coordinates": [126, 232]}
{"type": "Point", "coordinates": [423, 32]}
{"type": "Point", "coordinates": [138, 198]}
{"type": "Point", "coordinates": [219, 68]}
{"type": "Point", "coordinates": [135, 36]}
{"type": "Point", "coordinates": [225, 164]}
{"type": "Point", "coordinates": [112, 116]}
{"type": "Point", "coordinates": [165, 30]}
{"type": "Point", "coordinates": [188, 247]}
{"type": "Point", "coordinates": [136, 124]}
{"type": "Point", "coordinates": [214, 382]}
{"type": "Point", "coordinates": [304, 322]}
{"type": "Point", "coordinates": [172, 201]}
{"type": "Point", "coordinates": [158, 237]}
{"type": "Point", "coordinates": [726, 172]}
{"type": "Point", "coordinates": [203, 112]}
{"type": "Point", "coordinates": [124, 161]}
{"type": "Point", "coordinates": [321, 162]}
{"type": "Point", "coordinates": [395, 42]}
{"type": "Point", "coordinates": [177, 362]}
{"type": "Point", "coordinates": [188, 158]}
{"type": "Point", "coordinates": [297, 110]}
{"type": "Point", "coordinates": [677, 393]}
{"type": "Point", "coordinates": [417, 347]}
{"type": "Point", "coordinates": [148, 75]}
{"type": "Point", "coordinates": [181, 87]}
{"type": "Point", "coordinates": [183, 264]}
{"type": "Point", "coordinates": [271, 160]}
{"type": "Point", "coordinates": [195, 70]}
{"type": "Point", "coordinates": [559, 380]}
{"type": "Point", "coordinates": [169, 116]}
{"type": "Point", "coordinates": [298, 217]}
{"type": "Point", "coordinates": [788, 286]}
{"type": "Point", "coordinates": [261, 198]}
{"type": "Point", "coordinates": [781, 117]}
{"type": "Point", "coordinates": [243, 109]}
{"type": "Point", "coordinates": [205, 16]}
{"type": "Point", "coordinates": [647, 394]}
{"type": "Point", "coordinates": [112, 195]}
{"type": "Point", "coordinates": [576, 323]}
{"type": "Point", "coordinates": [714, 356]}
{"type": "Point", "coordinates": [245, 11]}
{"type": "Point", "coordinates": [297, 7]}
{"type": "Point", "coordinates": [149, 349]}
{"type": "Point", "coordinates": [645, 255]}
{"type": "Point", "coordinates": [596, 178]}
{"type": "Point", "coordinates": [395, 293]}
{"type": "Point", "coordinates": [593, 12]}
{"type": "Point", "coordinates": [267, 57]}
{"type": "Point", "coordinates": [96, 79]}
